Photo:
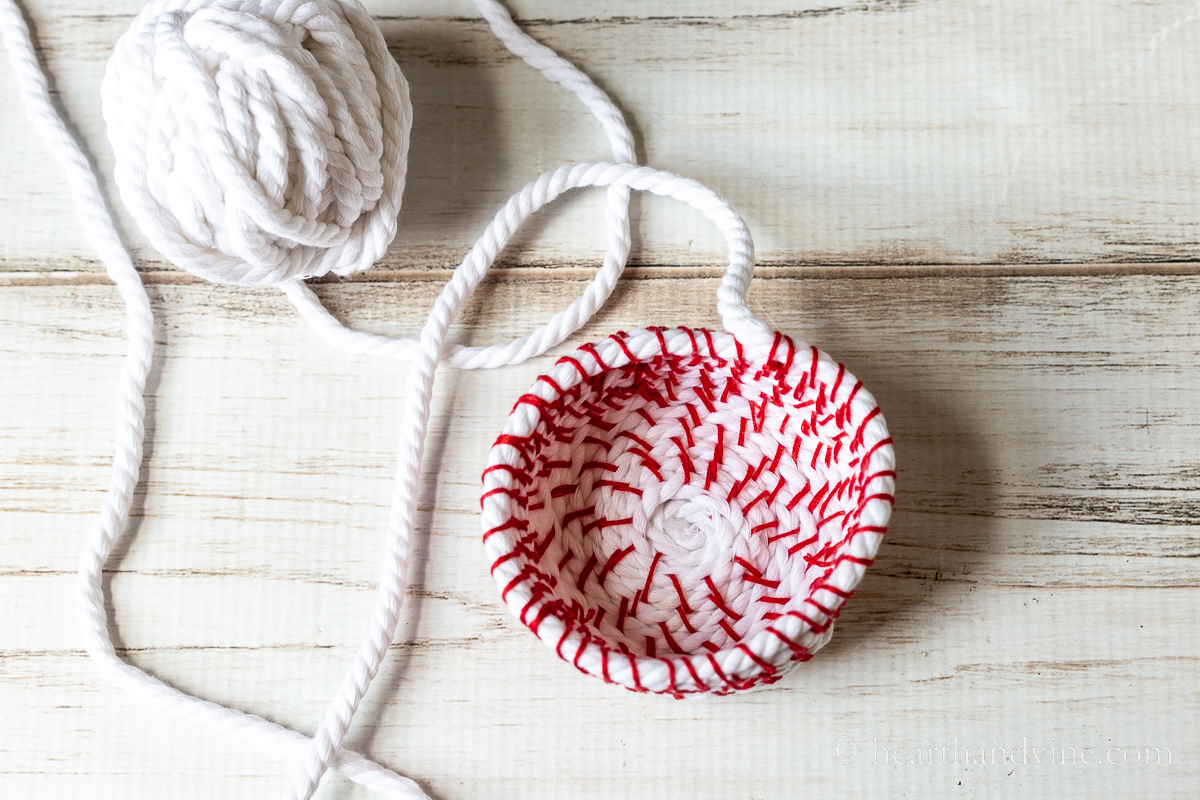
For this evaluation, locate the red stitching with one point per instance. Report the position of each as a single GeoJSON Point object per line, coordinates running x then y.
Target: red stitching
{"type": "Point", "coordinates": [763, 665]}
{"type": "Point", "coordinates": [512, 524]}
{"type": "Point", "coordinates": [736, 489]}
{"type": "Point", "coordinates": [717, 669]}
{"type": "Point", "coordinates": [553, 384]}
{"type": "Point", "coordinates": [687, 624]}
{"type": "Point", "coordinates": [613, 560]}
{"type": "Point", "coordinates": [670, 641]}
{"type": "Point", "coordinates": [700, 685]}
{"type": "Point", "coordinates": [799, 496]}
{"type": "Point", "coordinates": [619, 486]}
{"type": "Point", "coordinates": [587, 570]}
{"type": "Point", "coordinates": [621, 343]}
{"type": "Point", "coordinates": [685, 460]}
{"type": "Point", "coordinates": [633, 604]}
{"type": "Point", "coordinates": [679, 591]}
{"type": "Point", "coordinates": [778, 536]}
{"type": "Point", "coordinates": [801, 545]}
{"type": "Point", "coordinates": [774, 346]}
{"type": "Point", "coordinates": [634, 670]}
{"type": "Point", "coordinates": [692, 338]}
{"type": "Point", "coordinates": [837, 384]}
{"type": "Point", "coordinates": [513, 493]}
{"type": "Point", "coordinates": [816, 498]}
{"type": "Point", "coordinates": [605, 522]}
{"type": "Point", "coordinates": [719, 601]}
{"type": "Point", "coordinates": [525, 574]}
{"type": "Point", "coordinates": [577, 514]}
{"type": "Point", "coordinates": [511, 554]}
{"type": "Point", "coordinates": [857, 442]}
{"type": "Point", "coordinates": [799, 653]}
{"type": "Point", "coordinates": [578, 367]}
{"type": "Point", "coordinates": [519, 474]}
{"type": "Point", "coordinates": [662, 343]}
{"type": "Point", "coordinates": [650, 577]}
{"type": "Point", "coordinates": [639, 441]}
{"type": "Point", "coordinates": [543, 546]}
{"type": "Point", "coordinates": [590, 349]}
{"type": "Point", "coordinates": [687, 432]}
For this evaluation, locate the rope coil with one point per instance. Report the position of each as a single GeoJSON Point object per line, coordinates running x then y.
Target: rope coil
{"type": "Point", "coordinates": [257, 142]}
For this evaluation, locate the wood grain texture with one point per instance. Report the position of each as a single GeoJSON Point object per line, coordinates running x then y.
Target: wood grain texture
{"type": "Point", "coordinates": [964, 202]}
{"type": "Point", "coordinates": [898, 132]}
{"type": "Point", "coordinates": [1040, 580]}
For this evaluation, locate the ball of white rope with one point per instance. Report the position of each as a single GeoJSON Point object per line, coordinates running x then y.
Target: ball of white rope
{"type": "Point", "coordinates": [259, 141]}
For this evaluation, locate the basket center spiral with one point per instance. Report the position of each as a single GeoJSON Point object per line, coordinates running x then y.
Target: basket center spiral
{"type": "Point", "coordinates": [682, 502]}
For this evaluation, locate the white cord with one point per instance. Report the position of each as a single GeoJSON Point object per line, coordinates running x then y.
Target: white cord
{"type": "Point", "coordinates": [565, 322]}
{"type": "Point", "coordinates": [336, 215]}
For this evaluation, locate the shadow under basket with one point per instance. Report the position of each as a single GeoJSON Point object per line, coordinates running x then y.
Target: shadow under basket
{"type": "Point", "coordinates": [672, 514]}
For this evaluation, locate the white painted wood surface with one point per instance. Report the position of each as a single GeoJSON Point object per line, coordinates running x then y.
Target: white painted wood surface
{"type": "Point", "coordinates": [898, 132]}
{"type": "Point", "coordinates": [1040, 585]}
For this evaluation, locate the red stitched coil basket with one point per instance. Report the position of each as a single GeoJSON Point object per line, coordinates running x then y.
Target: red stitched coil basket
{"type": "Point", "coordinates": [669, 514]}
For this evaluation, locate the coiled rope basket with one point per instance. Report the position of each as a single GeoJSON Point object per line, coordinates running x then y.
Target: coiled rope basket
{"type": "Point", "coordinates": [672, 516]}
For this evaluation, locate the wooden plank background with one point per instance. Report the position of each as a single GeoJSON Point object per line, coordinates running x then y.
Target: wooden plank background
{"type": "Point", "coordinates": [985, 209]}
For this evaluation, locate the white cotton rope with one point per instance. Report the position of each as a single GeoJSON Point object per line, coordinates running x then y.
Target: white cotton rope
{"type": "Point", "coordinates": [261, 143]}
{"type": "Point", "coordinates": [264, 143]}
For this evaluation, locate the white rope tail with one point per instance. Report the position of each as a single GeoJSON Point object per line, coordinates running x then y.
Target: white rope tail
{"type": "Point", "coordinates": [263, 142]}
{"type": "Point", "coordinates": [101, 232]}
{"type": "Point", "coordinates": [338, 225]}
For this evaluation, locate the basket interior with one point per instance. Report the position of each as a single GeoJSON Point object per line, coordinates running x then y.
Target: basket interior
{"type": "Point", "coordinates": [681, 503]}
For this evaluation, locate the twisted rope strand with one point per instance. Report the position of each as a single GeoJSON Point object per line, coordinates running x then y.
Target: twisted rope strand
{"type": "Point", "coordinates": [100, 230]}
{"type": "Point", "coordinates": [293, 171]}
